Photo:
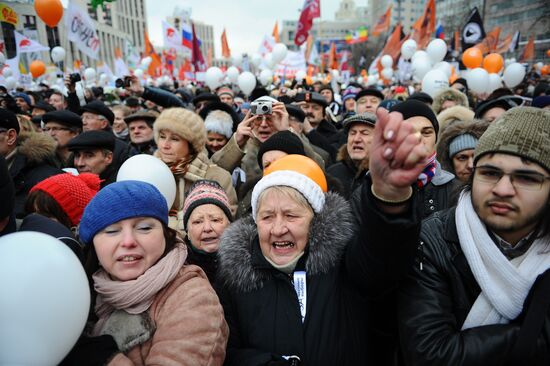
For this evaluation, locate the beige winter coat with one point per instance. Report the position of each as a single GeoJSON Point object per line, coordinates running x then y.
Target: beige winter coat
{"type": "Point", "coordinates": [190, 325]}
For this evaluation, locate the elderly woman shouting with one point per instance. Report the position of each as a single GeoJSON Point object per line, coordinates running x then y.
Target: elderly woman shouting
{"type": "Point", "coordinates": [181, 137]}
{"type": "Point", "coordinates": [300, 279]}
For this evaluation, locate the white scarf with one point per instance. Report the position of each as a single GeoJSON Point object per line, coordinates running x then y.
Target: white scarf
{"type": "Point", "coordinates": [504, 283]}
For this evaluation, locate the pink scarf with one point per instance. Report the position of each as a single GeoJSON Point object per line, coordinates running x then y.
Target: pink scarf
{"type": "Point", "coordinates": [135, 296]}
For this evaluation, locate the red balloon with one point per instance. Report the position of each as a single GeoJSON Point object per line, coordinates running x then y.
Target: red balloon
{"type": "Point", "coordinates": [50, 11]}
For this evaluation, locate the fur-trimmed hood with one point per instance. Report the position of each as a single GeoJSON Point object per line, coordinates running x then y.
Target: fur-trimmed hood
{"type": "Point", "coordinates": [329, 234]}
{"type": "Point", "coordinates": [452, 115]}
{"type": "Point", "coordinates": [36, 147]}
{"type": "Point", "coordinates": [475, 128]}
{"type": "Point", "coordinates": [449, 94]}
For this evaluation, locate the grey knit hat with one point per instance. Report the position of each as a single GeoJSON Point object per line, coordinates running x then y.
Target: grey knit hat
{"type": "Point", "coordinates": [521, 131]}
{"type": "Point", "coordinates": [462, 142]}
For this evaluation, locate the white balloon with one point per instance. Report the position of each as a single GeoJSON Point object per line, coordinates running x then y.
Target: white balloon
{"type": "Point", "coordinates": [256, 59]}
{"type": "Point", "coordinates": [279, 52]}
{"type": "Point", "coordinates": [233, 74]}
{"type": "Point", "coordinates": [372, 79]}
{"type": "Point", "coordinates": [300, 75]}
{"type": "Point", "coordinates": [495, 82]}
{"type": "Point", "coordinates": [90, 74]}
{"type": "Point", "coordinates": [146, 61]}
{"type": "Point", "coordinates": [335, 74]}
{"type": "Point", "coordinates": [513, 74]}
{"type": "Point", "coordinates": [387, 73]}
{"type": "Point", "coordinates": [269, 61]}
{"type": "Point", "coordinates": [7, 72]}
{"type": "Point", "coordinates": [45, 299]}
{"type": "Point", "coordinates": [478, 80]}
{"type": "Point", "coordinates": [420, 54]}
{"type": "Point", "coordinates": [247, 82]}
{"type": "Point", "coordinates": [386, 61]}
{"type": "Point", "coordinates": [445, 67]}
{"type": "Point", "coordinates": [408, 48]}
{"type": "Point", "coordinates": [437, 49]}
{"type": "Point", "coordinates": [138, 73]}
{"type": "Point", "coordinates": [420, 67]}
{"type": "Point", "coordinates": [10, 82]}
{"type": "Point", "coordinates": [213, 77]}
{"type": "Point", "coordinates": [434, 81]}
{"type": "Point", "coordinates": [538, 65]}
{"type": "Point", "coordinates": [266, 77]}
{"type": "Point", "coordinates": [58, 54]}
{"type": "Point", "coordinates": [147, 168]}
{"type": "Point", "coordinates": [237, 60]}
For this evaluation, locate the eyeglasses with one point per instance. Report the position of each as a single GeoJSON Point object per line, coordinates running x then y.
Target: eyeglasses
{"type": "Point", "coordinates": [530, 181]}
{"type": "Point", "coordinates": [55, 129]}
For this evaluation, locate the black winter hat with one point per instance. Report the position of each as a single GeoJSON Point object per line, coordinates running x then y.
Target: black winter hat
{"type": "Point", "coordinates": [370, 91]}
{"type": "Point", "coordinates": [44, 106]}
{"type": "Point", "coordinates": [205, 96]}
{"type": "Point", "coordinates": [505, 102]}
{"type": "Point", "coordinates": [64, 117]}
{"type": "Point", "coordinates": [92, 140]}
{"type": "Point", "coordinates": [98, 107]}
{"type": "Point", "coordinates": [284, 141]}
{"type": "Point", "coordinates": [296, 112]}
{"type": "Point", "coordinates": [7, 190]}
{"type": "Point", "coordinates": [143, 115]}
{"type": "Point", "coordinates": [219, 106]}
{"type": "Point", "coordinates": [311, 97]}
{"type": "Point", "coordinates": [412, 108]}
{"type": "Point", "coordinates": [8, 120]}
{"type": "Point", "coordinates": [423, 97]}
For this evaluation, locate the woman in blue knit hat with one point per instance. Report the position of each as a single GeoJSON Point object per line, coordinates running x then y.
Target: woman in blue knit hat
{"type": "Point", "coordinates": [148, 308]}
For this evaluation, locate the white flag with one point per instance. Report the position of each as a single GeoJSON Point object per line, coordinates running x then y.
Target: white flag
{"type": "Point", "coordinates": [120, 68]}
{"type": "Point", "coordinates": [81, 30]}
{"type": "Point", "coordinates": [25, 44]}
{"type": "Point", "coordinates": [267, 45]}
{"type": "Point", "coordinates": [172, 37]}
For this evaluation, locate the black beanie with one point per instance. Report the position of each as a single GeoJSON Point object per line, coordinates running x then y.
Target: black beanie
{"type": "Point", "coordinates": [412, 108]}
{"type": "Point", "coordinates": [7, 190]}
{"type": "Point", "coordinates": [284, 141]}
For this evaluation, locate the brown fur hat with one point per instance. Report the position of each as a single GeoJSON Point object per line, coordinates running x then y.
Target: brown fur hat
{"type": "Point", "coordinates": [184, 123]}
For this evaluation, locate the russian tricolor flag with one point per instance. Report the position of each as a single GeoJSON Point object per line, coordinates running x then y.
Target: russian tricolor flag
{"type": "Point", "coordinates": [439, 31]}
{"type": "Point", "coordinates": [187, 36]}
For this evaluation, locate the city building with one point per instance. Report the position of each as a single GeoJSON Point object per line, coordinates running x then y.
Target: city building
{"type": "Point", "coordinates": [205, 32]}
{"type": "Point", "coordinates": [405, 12]}
{"type": "Point", "coordinates": [115, 24]}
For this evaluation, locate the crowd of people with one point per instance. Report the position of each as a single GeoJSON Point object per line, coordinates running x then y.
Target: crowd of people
{"type": "Point", "coordinates": [319, 224]}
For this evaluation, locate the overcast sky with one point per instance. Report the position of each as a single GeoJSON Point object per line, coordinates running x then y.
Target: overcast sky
{"type": "Point", "coordinates": [246, 21]}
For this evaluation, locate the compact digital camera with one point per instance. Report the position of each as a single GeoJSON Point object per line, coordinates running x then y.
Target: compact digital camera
{"type": "Point", "coordinates": [261, 107]}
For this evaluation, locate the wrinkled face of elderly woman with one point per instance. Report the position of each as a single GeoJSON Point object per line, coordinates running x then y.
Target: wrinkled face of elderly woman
{"type": "Point", "coordinates": [205, 227]}
{"type": "Point", "coordinates": [283, 219]}
{"type": "Point", "coordinates": [128, 248]}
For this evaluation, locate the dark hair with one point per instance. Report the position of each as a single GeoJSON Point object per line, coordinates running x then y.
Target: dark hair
{"type": "Point", "coordinates": [44, 204]}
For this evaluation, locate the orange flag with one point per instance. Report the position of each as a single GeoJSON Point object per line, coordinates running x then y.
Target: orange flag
{"type": "Point", "coordinates": [118, 52]}
{"type": "Point", "coordinates": [529, 50]}
{"type": "Point", "coordinates": [425, 25]}
{"type": "Point", "coordinates": [490, 42]}
{"type": "Point", "coordinates": [155, 66]}
{"type": "Point", "coordinates": [332, 61]}
{"type": "Point", "coordinates": [226, 52]}
{"type": "Point", "coordinates": [504, 45]}
{"type": "Point", "coordinates": [393, 45]}
{"type": "Point", "coordinates": [383, 23]}
{"type": "Point", "coordinates": [276, 32]}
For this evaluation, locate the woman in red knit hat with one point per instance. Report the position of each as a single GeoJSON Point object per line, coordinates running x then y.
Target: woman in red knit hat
{"type": "Point", "coordinates": [63, 197]}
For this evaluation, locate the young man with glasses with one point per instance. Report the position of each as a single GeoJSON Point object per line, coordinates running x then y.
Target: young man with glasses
{"type": "Point", "coordinates": [62, 126]}
{"type": "Point", "coordinates": [474, 294]}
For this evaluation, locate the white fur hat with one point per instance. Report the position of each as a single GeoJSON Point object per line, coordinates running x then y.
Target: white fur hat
{"type": "Point", "coordinates": [219, 122]}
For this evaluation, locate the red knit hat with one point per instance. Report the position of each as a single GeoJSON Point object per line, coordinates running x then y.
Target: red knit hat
{"type": "Point", "coordinates": [71, 192]}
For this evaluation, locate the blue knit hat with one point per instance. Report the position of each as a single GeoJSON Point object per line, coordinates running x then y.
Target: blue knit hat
{"type": "Point", "coordinates": [119, 201]}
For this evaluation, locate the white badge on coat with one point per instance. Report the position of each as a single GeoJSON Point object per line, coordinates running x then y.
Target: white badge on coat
{"type": "Point", "coordinates": [301, 291]}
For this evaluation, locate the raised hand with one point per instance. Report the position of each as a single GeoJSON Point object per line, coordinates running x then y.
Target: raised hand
{"type": "Point", "coordinates": [280, 117]}
{"type": "Point", "coordinates": [135, 86]}
{"type": "Point", "coordinates": [397, 156]}
{"type": "Point", "coordinates": [244, 129]}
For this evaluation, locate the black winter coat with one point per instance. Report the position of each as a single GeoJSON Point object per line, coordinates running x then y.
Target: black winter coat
{"type": "Point", "coordinates": [440, 194]}
{"type": "Point", "coordinates": [348, 278]}
{"type": "Point", "coordinates": [435, 300]}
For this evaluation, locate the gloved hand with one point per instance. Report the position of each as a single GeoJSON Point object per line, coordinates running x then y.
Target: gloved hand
{"type": "Point", "coordinates": [129, 330]}
{"type": "Point", "coordinates": [91, 351]}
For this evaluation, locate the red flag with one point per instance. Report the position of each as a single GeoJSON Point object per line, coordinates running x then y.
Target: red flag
{"type": "Point", "coordinates": [156, 64]}
{"type": "Point", "coordinates": [425, 25]}
{"type": "Point", "coordinates": [226, 52]}
{"type": "Point", "coordinates": [310, 11]}
{"type": "Point", "coordinates": [529, 50]}
{"type": "Point", "coordinates": [196, 58]}
{"type": "Point", "coordinates": [383, 23]}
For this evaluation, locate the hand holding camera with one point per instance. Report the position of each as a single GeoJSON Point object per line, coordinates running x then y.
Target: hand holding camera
{"type": "Point", "coordinates": [280, 117]}
{"type": "Point", "coordinates": [71, 80]}
{"type": "Point", "coordinates": [131, 84]}
{"type": "Point", "coordinates": [244, 129]}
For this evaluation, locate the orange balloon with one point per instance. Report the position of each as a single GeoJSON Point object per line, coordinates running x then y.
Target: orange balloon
{"type": "Point", "coordinates": [548, 52]}
{"type": "Point", "coordinates": [37, 68]}
{"type": "Point", "coordinates": [50, 11]}
{"type": "Point", "coordinates": [302, 165]}
{"type": "Point", "coordinates": [545, 70]}
{"type": "Point", "coordinates": [472, 58]}
{"type": "Point", "coordinates": [493, 63]}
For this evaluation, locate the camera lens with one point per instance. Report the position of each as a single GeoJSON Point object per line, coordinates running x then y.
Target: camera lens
{"type": "Point", "coordinates": [119, 83]}
{"type": "Point", "coordinates": [265, 108]}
